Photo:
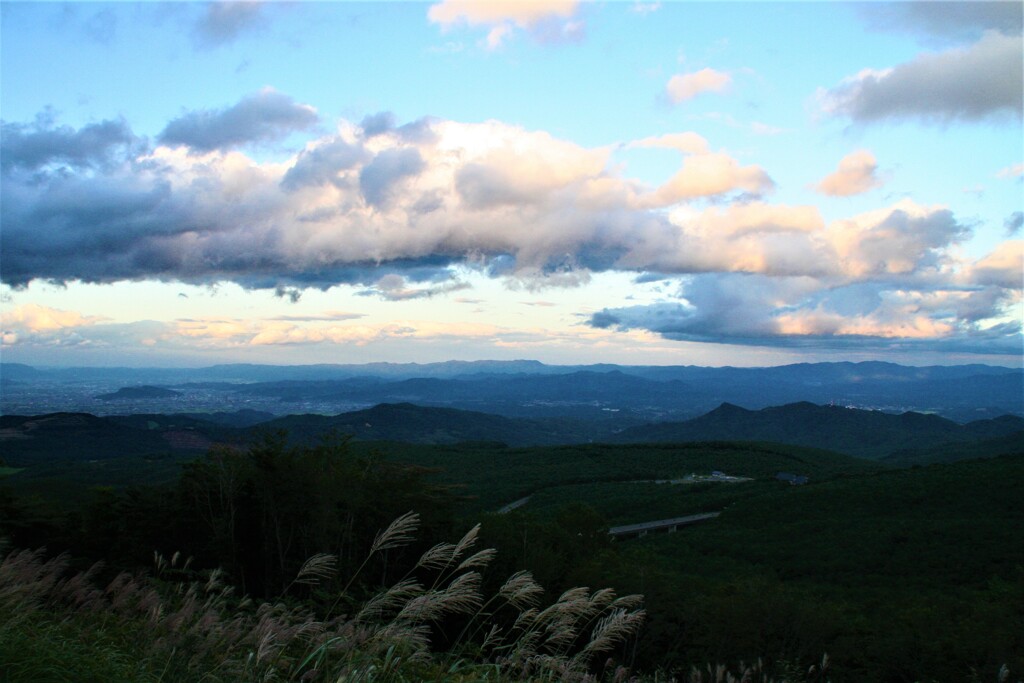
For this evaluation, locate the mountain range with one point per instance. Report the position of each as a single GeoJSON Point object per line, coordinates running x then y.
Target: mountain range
{"type": "Point", "coordinates": [617, 396]}
{"type": "Point", "coordinates": [900, 439]}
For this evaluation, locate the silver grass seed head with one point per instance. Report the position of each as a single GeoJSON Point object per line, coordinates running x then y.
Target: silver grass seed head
{"type": "Point", "coordinates": [467, 541]}
{"type": "Point", "coordinates": [397, 534]}
{"type": "Point", "coordinates": [317, 568]}
{"type": "Point", "coordinates": [438, 557]}
{"type": "Point", "coordinates": [479, 559]}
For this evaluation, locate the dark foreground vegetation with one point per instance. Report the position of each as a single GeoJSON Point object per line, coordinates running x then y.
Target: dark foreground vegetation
{"type": "Point", "coordinates": [301, 562]}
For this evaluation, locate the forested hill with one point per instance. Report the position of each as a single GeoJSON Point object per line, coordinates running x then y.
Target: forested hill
{"type": "Point", "coordinates": [417, 424]}
{"type": "Point", "coordinates": [863, 433]}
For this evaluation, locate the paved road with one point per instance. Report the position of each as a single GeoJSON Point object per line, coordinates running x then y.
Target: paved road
{"type": "Point", "coordinates": [670, 524]}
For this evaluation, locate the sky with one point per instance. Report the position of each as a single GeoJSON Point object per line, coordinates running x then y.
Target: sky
{"type": "Point", "coordinates": [645, 183]}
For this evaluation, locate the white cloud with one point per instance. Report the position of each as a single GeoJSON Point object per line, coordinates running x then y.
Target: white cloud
{"type": "Point", "coordinates": [488, 12]}
{"type": "Point", "coordinates": [687, 143]}
{"type": "Point", "coordinates": [1012, 171]}
{"type": "Point", "coordinates": [645, 8]}
{"type": "Point", "coordinates": [703, 173]}
{"type": "Point", "coordinates": [683, 87]}
{"type": "Point", "coordinates": [856, 174]}
{"type": "Point", "coordinates": [1003, 267]}
{"type": "Point", "coordinates": [33, 318]}
{"type": "Point", "coordinates": [549, 21]}
{"type": "Point", "coordinates": [901, 240]}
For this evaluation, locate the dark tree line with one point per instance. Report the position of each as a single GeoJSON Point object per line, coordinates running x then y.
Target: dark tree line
{"type": "Point", "coordinates": [257, 513]}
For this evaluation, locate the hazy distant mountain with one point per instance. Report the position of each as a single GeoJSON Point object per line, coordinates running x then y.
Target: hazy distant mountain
{"type": "Point", "coordinates": [618, 396]}
{"type": "Point", "coordinates": [18, 372]}
{"type": "Point", "coordinates": [864, 433]}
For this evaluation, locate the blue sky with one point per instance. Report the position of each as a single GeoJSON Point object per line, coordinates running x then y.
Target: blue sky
{"type": "Point", "coordinates": [647, 183]}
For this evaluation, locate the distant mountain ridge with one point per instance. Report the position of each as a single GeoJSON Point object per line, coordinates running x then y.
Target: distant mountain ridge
{"type": "Point", "coordinates": [626, 395]}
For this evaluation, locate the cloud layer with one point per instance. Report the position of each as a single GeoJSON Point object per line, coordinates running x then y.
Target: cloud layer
{"type": "Point", "coordinates": [397, 210]}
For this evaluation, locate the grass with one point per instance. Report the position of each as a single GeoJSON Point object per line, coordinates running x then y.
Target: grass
{"type": "Point", "coordinates": [63, 626]}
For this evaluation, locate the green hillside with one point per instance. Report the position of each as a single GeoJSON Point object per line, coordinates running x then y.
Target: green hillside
{"type": "Point", "coordinates": [863, 433]}
{"type": "Point", "coordinates": [495, 476]}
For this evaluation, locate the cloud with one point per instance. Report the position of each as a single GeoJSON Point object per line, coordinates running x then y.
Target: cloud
{"type": "Point", "coordinates": [800, 312]}
{"type": "Point", "coordinates": [33, 318]}
{"type": "Point", "coordinates": [224, 21]}
{"type": "Point", "coordinates": [1013, 223]}
{"type": "Point", "coordinates": [947, 20]}
{"type": "Point", "coordinates": [980, 82]}
{"type": "Point", "coordinates": [703, 173]}
{"type": "Point", "coordinates": [856, 174]}
{"type": "Point", "coordinates": [759, 128]}
{"type": "Point", "coordinates": [395, 287]}
{"type": "Point", "coordinates": [34, 146]}
{"type": "Point", "coordinates": [900, 240]}
{"type": "Point", "coordinates": [1003, 267]}
{"type": "Point", "coordinates": [683, 87]}
{"type": "Point", "coordinates": [384, 123]}
{"type": "Point", "coordinates": [645, 8]}
{"type": "Point", "coordinates": [548, 21]}
{"type": "Point", "coordinates": [327, 316]}
{"type": "Point", "coordinates": [322, 162]}
{"type": "Point", "coordinates": [261, 117]}
{"type": "Point", "coordinates": [687, 143]}
{"type": "Point", "coordinates": [379, 178]}
{"type": "Point", "coordinates": [1013, 171]}
{"type": "Point", "coordinates": [399, 216]}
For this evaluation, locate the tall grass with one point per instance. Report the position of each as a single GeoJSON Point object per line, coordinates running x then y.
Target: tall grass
{"type": "Point", "coordinates": [61, 625]}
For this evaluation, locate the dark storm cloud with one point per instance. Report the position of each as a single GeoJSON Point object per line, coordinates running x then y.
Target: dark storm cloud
{"type": "Point", "coordinates": [322, 164]}
{"type": "Point", "coordinates": [224, 22]}
{"type": "Point", "coordinates": [982, 81]}
{"type": "Point", "coordinates": [262, 117]}
{"type": "Point", "coordinates": [31, 147]}
{"type": "Point", "coordinates": [379, 177]}
{"type": "Point", "coordinates": [95, 229]}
